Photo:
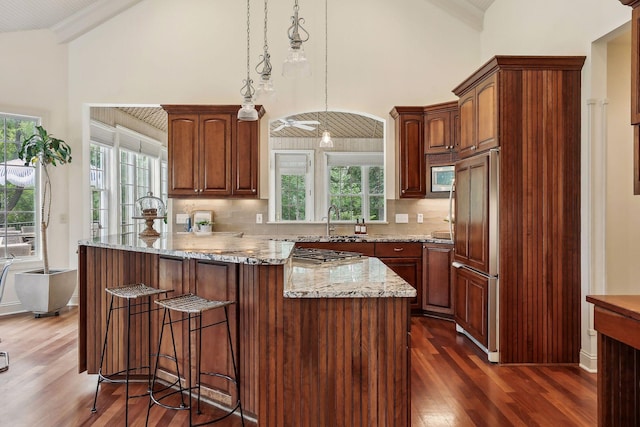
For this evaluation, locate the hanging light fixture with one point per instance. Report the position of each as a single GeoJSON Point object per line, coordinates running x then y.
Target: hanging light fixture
{"type": "Point", "coordinates": [265, 85]}
{"type": "Point", "coordinates": [326, 141]}
{"type": "Point", "coordinates": [296, 63]}
{"type": "Point", "coordinates": [247, 111]}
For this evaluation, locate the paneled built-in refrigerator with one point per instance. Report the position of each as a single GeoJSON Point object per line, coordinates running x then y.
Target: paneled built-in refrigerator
{"type": "Point", "coordinates": [476, 242]}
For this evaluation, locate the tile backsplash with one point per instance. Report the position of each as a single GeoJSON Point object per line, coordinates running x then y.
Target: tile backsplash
{"type": "Point", "coordinates": [240, 215]}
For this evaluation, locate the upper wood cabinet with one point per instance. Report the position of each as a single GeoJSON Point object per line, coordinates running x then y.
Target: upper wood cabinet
{"type": "Point", "coordinates": [478, 115]}
{"type": "Point", "coordinates": [440, 131]}
{"type": "Point", "coordinates": [211, 153]}
{"type": "Point", "coordinates": [410, 159]}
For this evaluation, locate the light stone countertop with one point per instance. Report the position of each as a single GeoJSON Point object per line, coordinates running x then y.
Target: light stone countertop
{"type": "Point", "coordinates": [356, 278]}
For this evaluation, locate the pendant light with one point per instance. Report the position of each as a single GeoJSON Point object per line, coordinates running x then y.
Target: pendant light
{"type": "Point", "coordinates": [248, 110]}
{"type": "Point", "coordinates": [296, 63]}
{"type": "Point", "coordinates": [265, 88]}
{"type": "Point", "coordinates": [326, 141]}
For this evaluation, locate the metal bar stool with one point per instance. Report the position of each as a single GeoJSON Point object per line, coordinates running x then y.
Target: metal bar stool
{"type": "Point", "coordinates": [193, 306]}
{"type": "Point", "coordinates": [130, 293]}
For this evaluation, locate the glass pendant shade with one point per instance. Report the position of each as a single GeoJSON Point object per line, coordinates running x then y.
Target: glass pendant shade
{"type": "Point", "coordinates": [265, 91]}
{"type": "Point", "coordinates": [326, 141]}
{"type": "Point", "coordinates": [248, 111]}
{"type": "Point", "coordinates": [296, 64]}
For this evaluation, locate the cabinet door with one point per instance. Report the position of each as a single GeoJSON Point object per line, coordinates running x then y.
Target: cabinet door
{"type": "Point", "coordinates": [172, 274]}
{"type": "Point", "coordinates": [467, 141]}
{"type": "Point", "coordinates": [471, 303]}
{"type": "Point", "coordinates": [472, 212]}
{"type": "Point", "coordinates": [217, 281]}
{"type": "Point", "coordinates": [437, 130]}
{"type": "Point", "coordinates": [411, 159]}
{"type": "Point", "coordinates": [437, 293]}
{"type": "Point", "coordinates": [246, 171]}
{"type": "Point", "coordinates": [214, 157]}
{"type": "Point", "coordinates": [410, 269]}
{"type": "Point", "coordinates": [635, 66]}
{"type": "Point", "coordinates": [183, 154]}
{"type": "Point", "coordinates": [487, 114]}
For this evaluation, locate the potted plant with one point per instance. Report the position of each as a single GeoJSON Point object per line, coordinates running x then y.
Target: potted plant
{"type": "Point", "coordinates": [204, 226]}
{"type": "Point", "coordinates": [45, 290]}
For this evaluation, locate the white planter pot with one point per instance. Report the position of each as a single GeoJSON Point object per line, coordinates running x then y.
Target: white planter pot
{"type": "Point", "coordinates": [45, 293]}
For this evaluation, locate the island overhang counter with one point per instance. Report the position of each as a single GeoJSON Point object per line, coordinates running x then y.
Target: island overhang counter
{"type": "Point", "coordinates": [316, 344]}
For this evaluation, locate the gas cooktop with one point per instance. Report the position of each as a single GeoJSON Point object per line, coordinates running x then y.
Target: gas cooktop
{"type": "Point", "coordinates": [319, 256]}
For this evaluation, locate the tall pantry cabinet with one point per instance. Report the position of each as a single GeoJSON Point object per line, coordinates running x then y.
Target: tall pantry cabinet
{"type": "Point", "coordinates": [529, 107]}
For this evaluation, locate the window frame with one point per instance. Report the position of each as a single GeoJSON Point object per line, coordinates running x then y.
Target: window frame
{"type": "Point", "coordinates": [275, 180]}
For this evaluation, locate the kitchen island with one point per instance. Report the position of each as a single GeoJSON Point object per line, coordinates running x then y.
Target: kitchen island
{"type": "Point", "coordinates": [316, 344]}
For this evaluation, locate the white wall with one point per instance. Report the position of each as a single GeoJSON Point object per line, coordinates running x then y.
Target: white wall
{"type": "Point", "coordinates": [622, 207]}
{"type": "Point", "coordinates": [570, 27]}
{"type": "Point", "coordinates": [33, 81]}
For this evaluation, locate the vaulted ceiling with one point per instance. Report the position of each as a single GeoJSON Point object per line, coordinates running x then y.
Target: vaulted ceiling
{"type": "Point", "coordinates": [71, 18]}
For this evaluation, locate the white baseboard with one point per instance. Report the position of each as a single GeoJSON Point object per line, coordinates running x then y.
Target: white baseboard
{"type": "Point", "coordinates": [16, 307]}
{"type": "Point", "coordinates": [588, 362]}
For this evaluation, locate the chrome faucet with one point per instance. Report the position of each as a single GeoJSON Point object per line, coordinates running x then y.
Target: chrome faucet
{"type": "Point", "coordinates": [330, 227]}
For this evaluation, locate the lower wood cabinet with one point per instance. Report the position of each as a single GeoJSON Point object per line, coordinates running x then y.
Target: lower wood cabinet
{"type": "Point", "coordinates": [211, 280]}
{"type": "Point", "coordinates": [437, 278]}
{"type": "Point", "coordinates": [471, 303]}
{"type": "Point", "coordinates": [405, 259]}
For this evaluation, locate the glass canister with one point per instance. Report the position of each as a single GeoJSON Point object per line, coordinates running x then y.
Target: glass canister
{"type": "Point", "coordinates": [151, 206]}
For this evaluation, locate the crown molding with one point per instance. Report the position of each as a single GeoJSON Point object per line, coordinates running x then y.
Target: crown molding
{"type": "Point", "coordinates": [88, 18]}
{"type": "Point", "coordinates": [464, 11]}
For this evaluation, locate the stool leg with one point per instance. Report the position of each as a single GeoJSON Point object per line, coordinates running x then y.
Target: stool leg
{"type": "Point", "coordinates": [155, 368]}
{"type": "Point", "coordinates": [128, 364]}
{"type": "Point", "coordinates": [189, 383]}
{"type": "Point", "coordinates": [104, 349]}
{"type": "Point", "coordinates": [198, 372]}
{"type": "Point", "coordinates": [233, 362]}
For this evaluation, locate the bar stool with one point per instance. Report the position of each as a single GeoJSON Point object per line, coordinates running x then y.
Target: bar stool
{"type": "Point", "coordinates": [130, 293]}
{"type": "Point", "coordinates": [193, 306]}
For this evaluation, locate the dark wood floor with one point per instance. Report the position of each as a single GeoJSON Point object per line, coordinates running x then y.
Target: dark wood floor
{"type": "Point", "coordinates": [451, 384]}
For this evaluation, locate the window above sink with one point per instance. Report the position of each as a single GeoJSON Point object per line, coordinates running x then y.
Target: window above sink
{"type": "Point", "coordinates": [306, 179]}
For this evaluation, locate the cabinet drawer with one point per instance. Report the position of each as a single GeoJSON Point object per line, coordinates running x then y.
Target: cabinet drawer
{"type": "Point", "coordinates": [399, 250]}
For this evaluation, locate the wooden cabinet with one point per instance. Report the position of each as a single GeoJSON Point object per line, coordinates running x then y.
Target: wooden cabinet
{"type": "Point", "coordinates": [440, 131]}
{"type": "Point", "coordinates": [211, 153]}
{"type": "Point", "coordinates": [410, 159]}
{"type": "Point", "coordinates": [478, 106]}
{"type": "Point", "coordinates": [405, 259]}
{"type": "Point", "coordinates": [211, 280]}
{"type": "Point", "coordinates": [530, 107]}
{"type": "Point", "coordinates": [472, 299]}
{"type": "Point", "coordinates": [472, 212]}
{"type": "Point", "coordinates": [437, 279]}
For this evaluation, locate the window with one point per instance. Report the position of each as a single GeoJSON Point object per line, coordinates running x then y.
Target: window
{"type": "Point", "coordinates": [99, 162]}
{"type": "Point", "coordinates": [293, 185]}
{"type": "Point", "coordinates": [356, 185]}
{"type": "Point", "coordinates": [124, 166]}
{"type": "Point", "coordinates": [18, 210]}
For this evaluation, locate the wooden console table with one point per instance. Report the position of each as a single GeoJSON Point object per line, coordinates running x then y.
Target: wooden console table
{"type": "Point", "coordinates": [617, 320]}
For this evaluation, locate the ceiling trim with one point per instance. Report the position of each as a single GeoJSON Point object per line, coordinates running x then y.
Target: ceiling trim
{"type": "Point", "coordinates": [464, 11]}
{"type": "Point", "coordinates": [88, 18]}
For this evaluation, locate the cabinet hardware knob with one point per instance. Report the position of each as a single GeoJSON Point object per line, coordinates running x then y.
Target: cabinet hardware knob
{"type": "Point", "coordinates": [195, 190]}
{"type": "Point", "coordinates": [398, 249]}
{"type": "Point", "coordinates": [253, 190]}
{"type": "Point", "coordinates": [403, 191]}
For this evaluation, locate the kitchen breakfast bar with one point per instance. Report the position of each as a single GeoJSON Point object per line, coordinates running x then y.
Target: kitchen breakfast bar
{"type": "Point", "coordinates": [316, 344]}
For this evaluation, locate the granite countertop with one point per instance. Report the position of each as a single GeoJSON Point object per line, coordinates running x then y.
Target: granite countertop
{"type": "Point", "coordinates": [213, 247]}
{"type": "Point", "coordinates": [418, 238]}
{"type": "Point", "coordinates": [354, 278]}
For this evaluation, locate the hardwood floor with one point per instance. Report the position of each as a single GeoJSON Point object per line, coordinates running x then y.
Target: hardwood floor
{"type": "Point", "coordinates": [451, 384]}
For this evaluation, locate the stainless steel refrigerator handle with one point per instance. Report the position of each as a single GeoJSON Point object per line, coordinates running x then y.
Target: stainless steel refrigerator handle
{"type": "Point", "coordinates": [453, 186]}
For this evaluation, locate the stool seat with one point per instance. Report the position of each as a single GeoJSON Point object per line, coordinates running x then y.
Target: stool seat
{"type": "Point", "coordinates": [190, 303]}
{"type": "Point", "coordinates": [135, 290]}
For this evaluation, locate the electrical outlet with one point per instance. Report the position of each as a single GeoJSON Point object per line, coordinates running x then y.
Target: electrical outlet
{"type": "Point", "coordinates": [420, 218]}
{"type": "Point", "coordinates": [402, 218]}
{"type": "Point", "coordinates": [182, 218]}
{"type": "Point", "coordinates": [258, 218]}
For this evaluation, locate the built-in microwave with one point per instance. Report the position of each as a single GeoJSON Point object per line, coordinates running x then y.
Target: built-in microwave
{"type": "Point", "coordinates": [442, 178]}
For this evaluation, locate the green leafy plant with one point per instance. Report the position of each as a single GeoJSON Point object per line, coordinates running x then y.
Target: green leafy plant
{"type": "Point", "coordinates": [45, 149]}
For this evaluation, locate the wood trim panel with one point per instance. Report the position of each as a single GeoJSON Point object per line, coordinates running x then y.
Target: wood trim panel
{"type": "Point", "coordinates": [635, 65]}
{"type": "Point", "coordinates": [540, 216]}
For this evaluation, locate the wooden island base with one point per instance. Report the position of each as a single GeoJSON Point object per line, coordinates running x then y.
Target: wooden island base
{"type": "Point", "coordinates": [302, 361]}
